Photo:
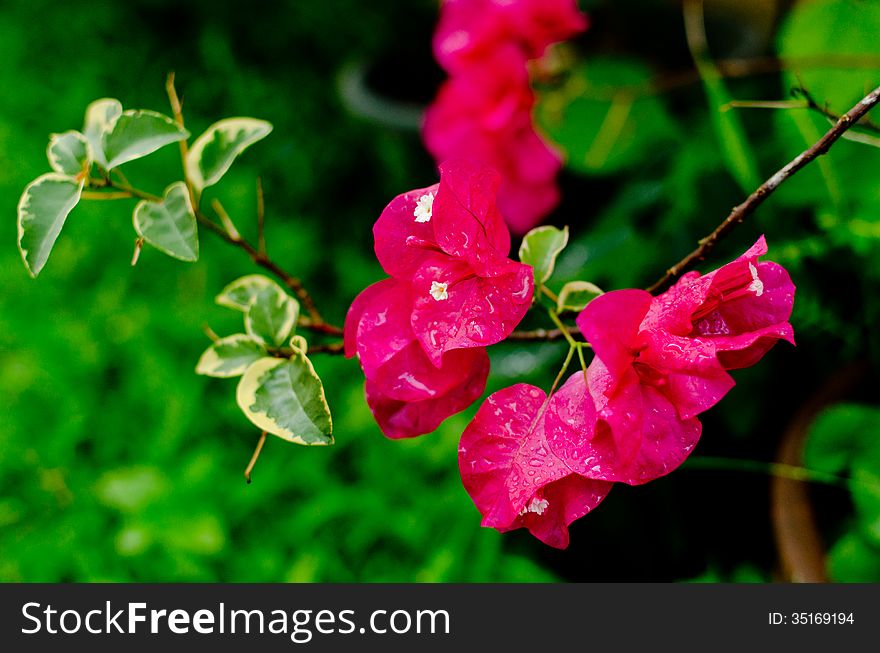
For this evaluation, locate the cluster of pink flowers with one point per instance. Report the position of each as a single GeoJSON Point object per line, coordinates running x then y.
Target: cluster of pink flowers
{"type": "Point", "coordinates": [484, 109]}
{"type": "Point", "coordinates": [421, 335]}
{"type": "Point", "coordinates": [631, 416]}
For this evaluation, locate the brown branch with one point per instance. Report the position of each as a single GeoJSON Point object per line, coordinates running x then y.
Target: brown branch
{"type": "Point", "coordinates": [811, 103]}
{"type": "Point", "coordinates": [742, 211]}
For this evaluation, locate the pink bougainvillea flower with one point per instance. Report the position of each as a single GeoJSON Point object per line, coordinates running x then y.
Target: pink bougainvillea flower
{"type": "Point", "coordinates": [421, 335]}
{"type": "Point", "coordinates": [470, 29]}
{"type": "Point", "coordinates": [447, 247]}
{"type": "Point", "coordinates": [485, 113]}
{"type": "Point", "coordinates": [513, 476]}
{"type": "Point", "coordinates": [484, 110]}
{"type": "Point", "coordinates": [740, 309]}
{"type": "Point", "coordinates": [408, 393]}
{"type": "Point", "coordinates": [661, 361]}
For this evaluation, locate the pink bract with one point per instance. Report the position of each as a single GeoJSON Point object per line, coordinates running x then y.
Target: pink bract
{"type": "Point", "coordinates": [657, 438]}
{"type": "Point", "coordinates": [408, 393]}
{"type": "Point", "coordinates": [411, 397]}
{"type": "Point", "coordinates": [468, 29]}
{"type": "Point", "coordinates": [513, 476]}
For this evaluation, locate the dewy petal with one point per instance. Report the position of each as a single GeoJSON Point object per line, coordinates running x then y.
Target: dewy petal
{"type": "Point", "coordinates": [587, 446]}
{"type": "Point", "coordinates": [467, 222]}
{"type": "Point", "coordinates": [611, 324]}
{"type": "Point", "coordinates": [401, 237]}
{"type": "Point", "coordinates": [686, 370]}
{"type": "Point", "coordinates": [378, 324]}
{"type": "Point", "coordinates": [407, 419]}
{"type": "Point", "coordinates": [475, 312]}
{"type": "Point", "coordinates": [512, 476]}
{"type": "Point", "coordinates": [410, 375]}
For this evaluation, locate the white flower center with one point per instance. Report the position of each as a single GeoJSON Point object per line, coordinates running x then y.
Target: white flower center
{"type": "Point", "coordinates": [439, 291]}
{"type": "Point", "coordinates": [757, 286]}
{"type": "Point", "coordinates": [537, 506]}
{"type": "Point", "coordinates": [424, 208]}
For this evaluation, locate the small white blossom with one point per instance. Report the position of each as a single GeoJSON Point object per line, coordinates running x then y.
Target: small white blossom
{"type": "Point", "coordinates": [424, 208]}
{"type": "Point", "coordinates": [757, 286]}
{"type": "Point", "coordinates": [439, 291]}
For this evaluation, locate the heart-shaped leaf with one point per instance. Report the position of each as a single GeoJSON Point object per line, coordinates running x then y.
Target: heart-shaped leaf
{"type": "Point", "coordinates": [286, 398]}
{"type": "Point", "coordinates": [169, 225]}
{"type": "Point", "coordinates": [241, 293]}
{"type": "Point", "coordinates": [230, 356]}
{"type": "Point", "coordinates": [68, 153]}
{"type": "Point", "coordinates": [575, 295]}
{"type": "Point", "coordinates": [540, 247]}
{"type": "Point", "coordinates": [272, 315]}
{"type": "Point", "coordinates": [136, 134]}
{"type": "Point", "coordinates": [101, 115]}
{"type": "Point", "coordinates": [44, 206]}
{"type": "Point", "coordinates": [213, 152]}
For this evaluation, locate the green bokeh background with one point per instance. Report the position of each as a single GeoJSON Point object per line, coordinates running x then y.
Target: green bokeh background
{"type": "Point", "coordinates": [118, 463]}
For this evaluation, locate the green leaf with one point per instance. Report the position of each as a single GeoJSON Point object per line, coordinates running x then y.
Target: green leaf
{"type": "Point", "coordinates": [169, 225]}
{"type": "Point", "coordinates": [839, 435]}
{"type": "Point", "coordinates": [735, 149]}
{"type": "Point", "coordinates": [830, 30]}
{"type": "Point", "coordinates": [68, 153]}
{"type": "Point", "coordinates": [44, 206]}
{"type": "Point", "coordinates": [241, 293]}
{"type": "Point", "coordinates": [865, 489]}
{"type": "Point", "coordinates": [230, 356]}
{"type": "Point", "coordinates": [286, 398]}
{"type": "Point", "coordinates": [601, 117]}
{"type": "Point", "coordinates": [136, 134]}
{"type": "Point", "coordinates": [272, 315]}
{"type": "Point", "coordinates": [101, 115]}
{"type": "Point", "coordinates": [853, 559]}
{"type": "Point", "coordinates": [540, 247]}
{"type": "Point", "coordinates": [214, 151]}
{"type": "Point", "coordinates": [575, 295]}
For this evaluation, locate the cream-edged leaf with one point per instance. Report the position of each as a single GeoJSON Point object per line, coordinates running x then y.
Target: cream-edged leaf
{"type": "Point", "coordinates": [213, 152]}
{"type": "Point", "coordinates": [286, 398]}
{"type": "Point", "coordinates": [44, 206]}
{"type": "Point", "coordinates": [575, 295]}
{"type": "Point", "coordinates": [136, 134]}
{"type": "Point", "coordinates": [68, 153]}
{"type": "Point", "coordinates": [241, 293]}
{"type": "Point", "coordinates": [540, 247]}
{"type": "Point", "coordinates": [169, 225]}
{"type": "Point", "coordinates": [230, 356]}
{"type": "Point", "coordinates": [271, 316]}
{"type": "Point", "coordinates": [101, 115]}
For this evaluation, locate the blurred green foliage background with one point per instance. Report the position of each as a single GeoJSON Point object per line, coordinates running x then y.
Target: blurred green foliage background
{"type": "Point", "coordinates": [118, 463]}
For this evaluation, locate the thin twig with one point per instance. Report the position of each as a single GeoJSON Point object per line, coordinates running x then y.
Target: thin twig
{"type": "Point", "coordinates": [138, 246]}
{"type": "Point", "coordinates": [250, 467]}
{"type": "Point", "coordinates": [261, 218]}
{"type": "Point", "coordinates": [740, 212]}
{"type": "Point", "coordinates": [226, 221]}
{"type": "Point", "coordinates": [811, 103]}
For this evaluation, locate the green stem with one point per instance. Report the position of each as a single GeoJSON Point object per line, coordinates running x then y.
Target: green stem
{"type": "Point", "coordinates": [555, 317]}
{"type": "Point", "coordinates": [565, 365]}
{"type": "Point", "coordinates": [781, 470]}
